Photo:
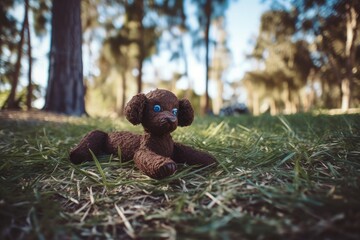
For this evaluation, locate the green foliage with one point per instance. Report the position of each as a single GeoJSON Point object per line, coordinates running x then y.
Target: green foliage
{"type": "Point", "coordinates": [331, 38]}
{"type": "Point", "coordinates": [302, 44]}
{"type": "Point", "coordinates": [128, 44]}
{"type": "Point", "coordinates": [291, 177]}
{"type": "Point", "coordinates": [206, 10]}
{"type": "Point", "coordinates": [41, 16]}
{"type": "Point", "coordinates": [11, 46]}
{"type": "Point", "coordinates": [21, 96]}
{"type": "Point", "coordinates": [287, 62]}
{"type": "Point", "coordinates": [8, 29]}
{"type": "Point", "coordinates": [8, 36]}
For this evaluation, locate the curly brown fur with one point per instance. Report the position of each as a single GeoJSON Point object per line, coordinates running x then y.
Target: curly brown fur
{"type": "Point", "coordinates": [94, 140]}
{"type": "Point", "coordinates": [154, 153]}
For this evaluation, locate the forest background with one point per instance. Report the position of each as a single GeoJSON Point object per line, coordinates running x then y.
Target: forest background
{"type": "Point", "coordinates": [305, 56]}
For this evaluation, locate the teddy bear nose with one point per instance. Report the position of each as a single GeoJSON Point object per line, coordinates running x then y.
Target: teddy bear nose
{"type": "Point", "coordinates": [171, 119]}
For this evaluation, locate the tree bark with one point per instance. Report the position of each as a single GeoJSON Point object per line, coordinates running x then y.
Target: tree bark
{"type": "Point", "coordinates": [287, 98]}
{"type": "Point", "coordinates": [65, 91]}
{"type": "Point", "coordinates": [11, 102]}
{"type": "Point", "coordinates": [121, 91]}
{"type": "Point", "coordinates": [30, 85]}
{"type": "Point", "coordinates": [218, 101]}
{"type": "Point", "coordinates": [256, 103]}
{"type": "Point", "coordinates": [207, 46]}
{"type": "Point", "coordinates": [186, 69]}
{"type": "Point", "coordinates": [124, 92]}
{"type": "Point", "coordinates": [346, 93]}
{"type": "Point", "coordinates": [351, 31]}
{"type": "Point", "coordinates": [140, 44]}
{"type": "Point", "coordinates": [273, 109]}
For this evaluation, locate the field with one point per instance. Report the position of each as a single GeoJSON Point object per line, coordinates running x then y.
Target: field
{"type": "Point", "coordinates": [285, 177]}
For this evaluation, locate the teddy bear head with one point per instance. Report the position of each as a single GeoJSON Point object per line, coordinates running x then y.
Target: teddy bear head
{"type": "Point", "coordinates": [159, 111]}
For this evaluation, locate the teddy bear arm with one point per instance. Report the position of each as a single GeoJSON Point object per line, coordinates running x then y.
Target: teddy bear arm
{"type": "Point", "coordinates": [191, 156]}
{"type": "Point", "coordinates": [154, 165]}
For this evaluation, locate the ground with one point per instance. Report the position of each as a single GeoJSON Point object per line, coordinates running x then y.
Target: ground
{"type": "Point", "coordinates": [289, 177]}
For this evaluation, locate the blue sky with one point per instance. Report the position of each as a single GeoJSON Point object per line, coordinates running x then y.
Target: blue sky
{"type": "Point", "coordinates": [242, 25]}
{"type": "Point", "coordinates": [243, 22]}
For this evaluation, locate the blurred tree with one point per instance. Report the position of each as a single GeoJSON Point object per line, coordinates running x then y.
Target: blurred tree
{"type": "Point", "coordinates": [11, 72]}
{"type": "Point", "coordinates": [8, 42]}
{"type": "Point", "coordinates": [125, 48]}
{"type": "Point", "coordinates": [255, 83]}
{"type": "Point", "coordinates": [137, 13]}
{"type": "Point", "coordinates": [207, 10]}
{"type": "Point", "coordinates": [220, 62]}
{"type": "Point", "coordinates": [176, 44]}
{"type": "Point", "coordinates": [334, 20]}
{"type": "Point", "coordinates": [287, 64]}
{"type": "Point", "coordinates": [118, 56]}
{"type": "Point", "coordinates": [29, 94]}
{"type": "Point", "coordinates": [65, 91]}
{"type": "Point", "coordinates": [41, 11]}
{"type": "Point", "coordinates": [334, 27]}
{"type": "Point", "coordinates": [11, 102]}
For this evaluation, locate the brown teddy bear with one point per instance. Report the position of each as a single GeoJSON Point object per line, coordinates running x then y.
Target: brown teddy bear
{"type": "Point", "coordinates": [154, 153]}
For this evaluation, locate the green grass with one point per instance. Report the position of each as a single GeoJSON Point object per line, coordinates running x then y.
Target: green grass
{"type": "Point", "coordinates": [289, 177]}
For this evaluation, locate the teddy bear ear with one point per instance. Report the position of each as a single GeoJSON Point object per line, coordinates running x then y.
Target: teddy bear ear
{"type": "Point", "coordinates": [186, 113]}
{"type": "Point", "coordinates": [135, 107]}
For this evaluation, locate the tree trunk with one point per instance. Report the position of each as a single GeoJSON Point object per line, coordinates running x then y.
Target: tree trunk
{"type": "Point", "coordinates": [11, 102]}
{"type": "Point", "coordinates": [139, 77]}
{"type": "Point", "coordinates": [351, 31]}
{"type": "Point", "coordinates": [287, 98]}
{"type": "Point", "coordinates": [186, 69]}
{"type": "Point", "coordinates": [207, 46]}
{"type": "Point", "coordinates": [256, 103]}
{"type": "Point", "coordinates": [30, 86]}
{"type": "Point", "coordinates": [346, 93]}
{"type": "Point", "coordinates": [123, 92]}
{"type": "Point", "coordinates": [218, 102]}
{"type": "Point", "coordinates": [65, 90]}
{"type": "Point", "coordinates": [140, 44]}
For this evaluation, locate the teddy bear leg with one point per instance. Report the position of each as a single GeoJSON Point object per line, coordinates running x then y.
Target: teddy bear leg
{"type": "Point", "coordinates": [154, 165]}
{"type": "Point", "coordinates": [95, 141]}
{"type": "Point", "coordinates": [191, 156]}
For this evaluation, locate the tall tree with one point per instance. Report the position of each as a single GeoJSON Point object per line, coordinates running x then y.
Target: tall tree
{"type": "Point", "coordinates": [65, 90]}
{"type": "Point", "coordinates": [118, 55]}
{"type": "Point", "coordinates": [139, 17]}
{"type": "Point", "coordinates": [125, 49]}
{"type": "Point", "coordinates": [130, 43]}
{"type": "Point", "coordinates": [9, 40]}
{"type": "Point", "coordinates": [336, 20]}
{"type": "Point", "coordinates": [30, 84]}
{"type": "Point", "coordinates": [334, 25]}
{"type": "Point", "coordinates": [287, 64]}
{"type": "Point", "coordinates": [220, 62]}
{"type": "Point", "coordinates": [11, 101]}
{"type": "Point", "coordinates": [8, 43]}
{"type": "Point", "coordinates": [352, 18]}
{"type": "Point", "coordinates": [207, 11]}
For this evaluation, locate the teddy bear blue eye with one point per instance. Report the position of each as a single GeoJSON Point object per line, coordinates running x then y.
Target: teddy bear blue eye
{"type": "Point", "coordinates": [175, 111]}
{"type": "Point", "coordinates": [157, 108]}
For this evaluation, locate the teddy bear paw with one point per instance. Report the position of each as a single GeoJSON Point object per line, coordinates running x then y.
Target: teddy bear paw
{"type": "Point", "coordinates": [167, 170]}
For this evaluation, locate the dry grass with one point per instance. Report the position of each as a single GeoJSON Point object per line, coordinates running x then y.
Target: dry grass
{"type": "Point", "coordinates": [294, 177]}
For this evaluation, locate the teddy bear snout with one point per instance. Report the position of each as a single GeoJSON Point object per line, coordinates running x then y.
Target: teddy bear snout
{"type": "Point", "coordinates": [171, 119]}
